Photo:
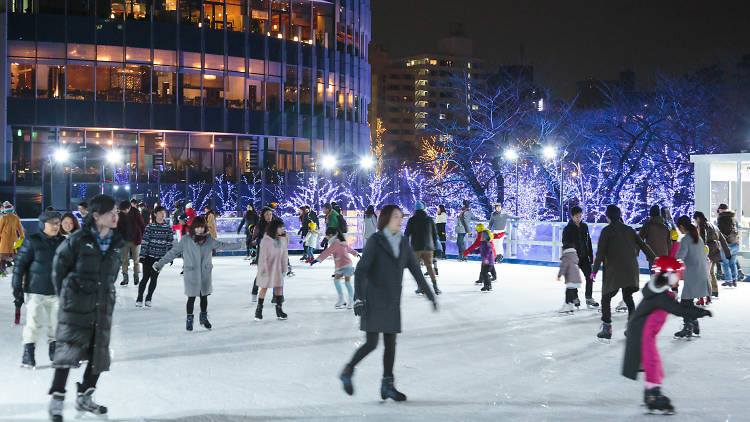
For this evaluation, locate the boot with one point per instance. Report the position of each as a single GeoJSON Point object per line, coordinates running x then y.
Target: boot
{"type": "Point", "coordinates": [56, 405]}
{"type": "Point", "coordinates": [487, 286]}
{"type": "Point", "coordinates": [388, 391]}
{"type": "Point", "coordinates": [280, 315]}
{"type": "Point", "coordinates": [715, 295]}
{"type": "Point", "coordinates": [656, 402]}
{"type": "Point", "coordinates": [686, 332]}
{"type": "Point", "coordinates": [435, 288]}
{"type": "Point", "coordinates": [577, 302]}
{"type": "Point", "coordinates": [124, 281]}
{"type": "Point", "coordinates": [189, 322]}
{"type": "Point", "coordinates": [708, 300]}
{"type": "Point", "coordinates": [85, 401]}
{"type": "Point", "coordinates": [591, 303]}
{"type": "Point", "coordinates": [203, 318]}
{"type": "Point", "coordinates": [700, 302]}
{"type": "Point", "coordinates": [52, 345]}
{"type": "Point", "coordinates": [696, 328]}
{"type": "Point", "coordinates": [28, 360]}
{"type": "Point", "coordinates": [606, 332]}
{"type": "Point", "coordinates": [135, 279]}
{"type": "Point", "coordinates": [259, 310]}
{"type": "Point", "coordinates": [346, 379]}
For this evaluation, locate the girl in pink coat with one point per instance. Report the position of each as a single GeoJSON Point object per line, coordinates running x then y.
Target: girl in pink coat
{"type": "Point", "coordinates": [340, 251]}
{"type": "Point", "coordinates": [272, 262]}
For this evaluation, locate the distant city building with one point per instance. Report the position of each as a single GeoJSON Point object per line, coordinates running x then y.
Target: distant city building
{"type": "Point", "coordinates": [592, 93]}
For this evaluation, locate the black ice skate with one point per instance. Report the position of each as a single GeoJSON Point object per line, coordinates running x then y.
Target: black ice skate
{"type": "Point", "coordinates": [346, 379]}
{"type": "Point", "coordinates": [388, 391]}
{"type": "Point", "coordinates": [56, 405]}
{"type": "Point", "coordinates": [591, 303]}
{"type": "Point", "coordinates": [696, 329]}
{"type": "Point", "coordinates": [577, 303]}
{"type": "Point", "coordinates": [606, 332]}
{"type": "Point", "coordinates": [203, 318]}
{"type": "Point", "coordinates": [686, 332]}
{"type": "Point", "coordinates": [189, 322]}
{"type": "Point", "coordinates": [435, 288]}
{"type": "Point", "coordinates": [259, 310]}
{"type": "Point", "coordinates": [28, 360]}
{"type": "Point", "coordinates": [658, 403]}
{"type": "Point", "coordinates": [280, 315]}
{"type": "Point", "coordinates": [124, 281]}
{"type": "Point", "coordinates": [85, 402]}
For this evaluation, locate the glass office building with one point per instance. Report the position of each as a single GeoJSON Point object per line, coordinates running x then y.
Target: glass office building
{"type": "Point", "coordinates": [142, 93]}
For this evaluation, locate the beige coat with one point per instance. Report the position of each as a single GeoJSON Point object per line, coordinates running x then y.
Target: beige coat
{"type": "Point", "coordinates": [272, 262]}
{"type": "Point", "coordinates": [10, 231]}
{"type": "Point", "coordinates": [211, 224]}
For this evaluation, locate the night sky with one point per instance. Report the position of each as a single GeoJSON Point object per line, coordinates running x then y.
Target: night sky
{"type": "Point", "coordinates": [569, 40]}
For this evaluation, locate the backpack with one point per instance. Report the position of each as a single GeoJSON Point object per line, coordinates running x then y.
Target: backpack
{"type": "Point", "coordinates": [343, 228]}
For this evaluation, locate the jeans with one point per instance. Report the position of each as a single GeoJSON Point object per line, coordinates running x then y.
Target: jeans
{"type": "Point", "coordinates": [729, 264]}
{"type": "Point", "coordinates": [461, 245]}
{"type": "Point", "coordinates": [309, 252]}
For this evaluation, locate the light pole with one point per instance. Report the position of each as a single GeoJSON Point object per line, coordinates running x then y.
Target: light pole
{"type": "Point", "coordinates": [512, 155]}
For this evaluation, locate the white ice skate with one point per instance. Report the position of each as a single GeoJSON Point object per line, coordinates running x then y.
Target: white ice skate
{"type": "Point", "coordinates": [341, 304]}
{"type": "Point", "coordinates": [567, 309]}
{"type": "Point", "coordinates": [621, 307]}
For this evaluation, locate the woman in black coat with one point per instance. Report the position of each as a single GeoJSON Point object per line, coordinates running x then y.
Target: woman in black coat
{"type": "Point", "coordinates": [248, 221]}
{"type": "Point", "coordinates": [377, 295]}
{"type": "Point", "coordinates": [84, 271]}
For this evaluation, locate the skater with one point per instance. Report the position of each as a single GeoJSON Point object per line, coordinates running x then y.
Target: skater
{"type": "Point", "coordinates": [310, 240]}
{"type": "Point", "coordinates": [377, 301]}
{"type": "Point", "coordinates": [84, 272]}
{"type": "Point", "coordinates": [369, 223]}
{"type": "Point", "coordinates": [423, 235]}
{"type": "Point", "coordinates": [273, 260]}
{"type": "Point", "coordinates": [179, 211]}
{"type": "Point", "coordinates": [487, 252]}
{"type": "Point", "coordinates": [497, 225]}
{"type": "Point", "coordinates": [190, 213]}
{"type": "Point", "coordinates": [576, 232]}
{"type": "Point", "coordinates": [569, 269]}
{"type": "Point", "coordinates": [32, 284]}
{"type": "Point", "coordinates": [146, 213]}
{"type": "Point", "coordinates": [130, 226]}
{"type": "Point", "coordinates": [641, 351]}
{"type": "Point", "coordinates": [196, 250]}
{"type": "Point", "coordinates": [696, 284]}
{"type": "Point", "coordinates": [618, 251]}
{"type": "Point", "coordinates": [210, 216]}
{"type": "Point", "coordinates": [728, 226]}
{"type": "Point", "coordinates": [248, 221]}
{"type": "Point", "coordinates": [656, 234]}
{"type": "Point", "coordinates": [11, 232]}
{"type": "Point", "coordinates": [340, 250]}
{"type": "Point", "coordinates": [83, 210]}
{"type": "Point", "coordinates": [158, 239]}
{"type": "Point", "coordinates": [266, 216]}
{"type": "Point", "coordinates": [463, 223]}
{"type": "Point", "coordinates": [716, 243]}
{"type": "Point", "coordinates": [69, 224]}
{"type": "Point", "coordinates": [441, 219]}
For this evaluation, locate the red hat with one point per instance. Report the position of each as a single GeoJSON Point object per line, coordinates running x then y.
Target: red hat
{"type": "Point", "coordinates": [667, 264]}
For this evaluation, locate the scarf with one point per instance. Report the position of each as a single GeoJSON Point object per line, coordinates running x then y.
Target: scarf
{"type": "Point", "coordinates": [200, 238]}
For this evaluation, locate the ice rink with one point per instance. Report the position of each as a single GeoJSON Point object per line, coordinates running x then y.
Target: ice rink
{"type": "Point", "coordinates": [502, 356]}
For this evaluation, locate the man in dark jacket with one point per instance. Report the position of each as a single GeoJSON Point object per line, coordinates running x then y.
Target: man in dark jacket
{"type": "Point", "coordinates": [32, 278]}
{"type": "Point", "coordinates": [577, 233]}
{"type": "Point", "coordinates": [422, 231]}
{"type": "Point", "coordinates": [131, 227]}
{"type": "Point", "coordinates": [729, 227]}
{"type": "Point", "coordinates": [618, 250]}
{"type": "Point", "coordinates": [656, 234]}
{"type": "Point", "coordinates": [84, 273]}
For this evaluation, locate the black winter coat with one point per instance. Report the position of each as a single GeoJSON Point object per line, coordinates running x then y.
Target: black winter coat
{"type": "Point", "coordinates": [378, 281]}
{"type": "Point", "coordinates": [249, 220]}
{"type": "Point", "coordinates": [422, 231]}
{"type": "Point", "coordinates": [32, 269]}
{"type": "Point", "coordinates": [85, 282]}
{"type": "Point", "coordinates": [650, 303]}
{"type": "Point", "coordinates": [581, 238]}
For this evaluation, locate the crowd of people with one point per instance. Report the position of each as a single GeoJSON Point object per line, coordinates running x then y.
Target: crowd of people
{"type": "Point", "coordinates": [77, 265]}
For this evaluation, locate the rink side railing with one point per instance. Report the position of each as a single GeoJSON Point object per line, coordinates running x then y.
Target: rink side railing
{"type": "Point", "coordinates": [526, 242]}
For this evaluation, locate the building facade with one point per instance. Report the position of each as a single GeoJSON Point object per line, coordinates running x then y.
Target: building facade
{"type": "Point", "coordinates": [143, 93]}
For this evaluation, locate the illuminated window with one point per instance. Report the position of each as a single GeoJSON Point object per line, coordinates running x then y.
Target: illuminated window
{"type": "Point", "coordinates": [109, 53]}
{"type": "Point", "coordinates": [214, 61]}
{"type": "Point", "coordinates": [163, 89]}
{"type": "Point", "coordinates": [81, 51]}
{"type": "Point", "coordinates": [80, 82]}
{"type": "Point", "coordinates": [236, 64]}
{"type": "Point", "coordinates": [50, 81]}
{"type": "Point", "coordinates": [21, 49]}
{"type": "Point", "coordinates": [235, 15]}
{"type": "Point", "coordinates": [213, 90]}
{"type": "Point", "coordinates": [22, 78]}
{"type": "Point", "coordinates": [255, 94]}
{"type": "Point", "coordinates": [165, 57]}
{"type": "Point", "coordinates": [137, 83]}
{"type": "Point", "coordinates": [133, 54]}
{"type": "Point", "coordinates": [235, 92]}
{"type": "Point", "coordinates": [108, 82]}
{"type": "Point", "coordinates": [190, 93]}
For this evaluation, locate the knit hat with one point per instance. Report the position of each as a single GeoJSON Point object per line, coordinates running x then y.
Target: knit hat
{"type": "Point", "coordinates": [480, 228]}
{"type": "Point", "coordinates": [419, 205]}
{"type": "Point", "coordinates": [7, 207]}
{"type": "Point", "coordinates": [674, 235]}
{"type": "Point", "coordinates": [189, 205]}
{"type": "Point", "coordinates": [312, 226]}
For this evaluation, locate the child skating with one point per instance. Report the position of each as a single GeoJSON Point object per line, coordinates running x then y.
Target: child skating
{"type": "Point", "coordinates": [487, 252]}
{"type": "Point", "coordinates": [647, 320]}
{"type": "Point", "coordinates": [569, 269]}
{"type": "Point", "coordinates": [310, 240]}
{"type": "Point", "coordinates": [340, 250]}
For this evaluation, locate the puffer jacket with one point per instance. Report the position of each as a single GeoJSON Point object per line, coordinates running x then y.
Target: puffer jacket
{"type": "Point", "coordinates": [422, 232]}
{"type": "Point", "coordinates": [728, 226]}
{"type": "Point", "coordinates": [33, 264]}
{"type": "Point", "coordinates": [657, 236]}
{"type": "Point", "coordinates": [569, 267]}
{"type": "Point", "coordinates": [85, 282]}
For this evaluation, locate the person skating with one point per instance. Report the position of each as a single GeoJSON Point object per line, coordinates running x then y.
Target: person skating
{"type": "Point", "coordinates": [570, 270]}
{"type": "Point", "coordinates": [130, 227]}
{"type": "Point", "coordinates": [464, 220]}
{"type": "Point", "coordinates": [422, 233]}
{"type": "Point", "coordinates": [196, 249]}
{"type": "Point", "coordinates": [158, 239]}
{"type": "Point", "coordinates": [83, 210]}
{"type": "Point", "coordinates": [32, 284]}
{"type": "Point", "coordinates": [618, 250]}
{"type": "Point", "coordinates": [696, 284]}
{"type": "Point", "coordinates": [248, 221]}
{"type": "Point", "coordinates": [641, 351]}
{"type": "Point", "coordinates": [11, 232]}
{"type": "Point", "coordinates": [377, 299]}
{"type": "Point", "coordinates": [487, 253]}
{"type": "Point", "coordinates": [441, 219]}
{"type": "Point", "coordinates": [310, 240]}
{"type": "Point", "coordinates": [273, 259]}
{"type": "Point", "coordinates": [266, 216]}
{"type": "Point", "coordinates": [656, 234]}
{"type": "Point", "coordinates": [716, 243]}
{"type": "Point", "coordinates": [576, 232]}
{"type": "Point", "coordinates": [498, 224]}
{"type": "Point", "coordinates": [369, 223]}
{"type": "Point", "coordinates": [340, 250]}
{"type": "Point", "coordinates": [84, 272]}
{"type": "Point", "coordinates": [727, 223]}
{"type": "Point", "coordinates": [69, 224]}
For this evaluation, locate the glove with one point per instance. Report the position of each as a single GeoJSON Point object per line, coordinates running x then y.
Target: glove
{"type": "Point", "coordinates": [592, 276]}
{"type": "Point", "coordinates": [706, 313]}
{"type": "Point", "coordinates": [359, 307]}
{"type": "Point", "coordinates": [313, 262]}
{"type": "Point", "coordinates": [18, 295]}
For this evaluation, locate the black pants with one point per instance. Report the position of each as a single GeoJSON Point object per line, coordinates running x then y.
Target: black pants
{"type": "Point", "coordinates": [687, 302]}
{"type": "Point", "coordinates": [389, 355]}
{"type": "Point", "coordinates": [484, 273]}
{"type": "Point", "coordinates": [248, 243]}
{"type": "Point", "coordinates": [255, 280]}
{"type": "Point", "coordinates": [191, 304]}
{"type": "Point", "coordinates": [61, 378]}
{"type": "Point", "coordinates": [586, 269]}
{"type": "Point", "coordinates": [148, 274]}
{"type": "Point", "coordinates": [571, 295]}
{"type": "Point", "coordinates": [627, 296]}
{"type": "Point", "coordinates": [441, 236]}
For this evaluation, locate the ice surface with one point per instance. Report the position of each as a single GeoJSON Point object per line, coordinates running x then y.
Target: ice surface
{"type": "Point", "coordinates": [502, 356]}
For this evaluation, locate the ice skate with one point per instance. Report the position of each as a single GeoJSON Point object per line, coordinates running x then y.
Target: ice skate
{"type": "Point", "coordinates": [124, 281]}
{"type": "Point", "coordinates": [686, 332]}
{"type": "Point", "coordinates": [148, 303]}
{"type": "Point", "coordinates": [138, 304]}
{"type": "Point", "coordinates": [700, 302]}
{"type": "Point", "coordinates": [341, 303]}
{"type": "Point", "coordinates": [621, 307]}
{"type": "Point", "coordinates": [435, 288]}
{"type": "Point", "coordinates": [203, 318]}
{"type": "Point", "coordinates": [259, 310]}
{"type": "Point", "coordinates": [658, 403]}
{"type": "Point", "coordinates": [478, 282]}
{"type": "Point", "coordinates": [696, 328]}
{"type": "Point", "coordinates": [591, 303]}
{"type": "Point", "coordinates": [28, 360]}
{"type": "Point", "coordinates": [388, 391]}
{"type": "Point", "coordinates": [280, 315]}
{"type": "Point", "coordinates": [486, 288]}
{"type": "Point", "coordinates": [606, 332]}
{"type": "Point", "coordinates": [135, 279]}
{"type": "Point", "coordinates": [577, 303]}
{"type": "Point", "coordinates": [566, 309]}
{"type": "Point", "coordinates": [350, 303]}
{"type": "Point", "coordinates": [85, 402]}
{"type": "Point", "coordinates": [290, 273]}
{"type": "Point", "coordinates": [346, 379]}
{"type": "Point", "coordinates": [189, 322]}
{"type": "Point", "coordinates": [56, 405]}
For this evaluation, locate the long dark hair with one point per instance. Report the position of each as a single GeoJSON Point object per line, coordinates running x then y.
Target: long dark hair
{"type": "Point", "coordinates": [370, 211]}
{"type": "Point", "coordinates": [199, 221]}
{"type": "Point", "coordinates": [70, 215]}
{"type": "Point", "coordinates": [336, 232]}
{"type": "Point", "coordinates": [688, 225]}
{"type": "Point", "coordinates": [441, 209]}
{"type": "Point", "coordinates": [273, 226]}
{"type": "Point", "coordinates": [385, 215]}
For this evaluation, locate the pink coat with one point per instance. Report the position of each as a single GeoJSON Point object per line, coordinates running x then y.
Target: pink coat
{"type": "Point", "coordinates": [272, 262]}
{"type": "Point", "coordinates": [340, 251]}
